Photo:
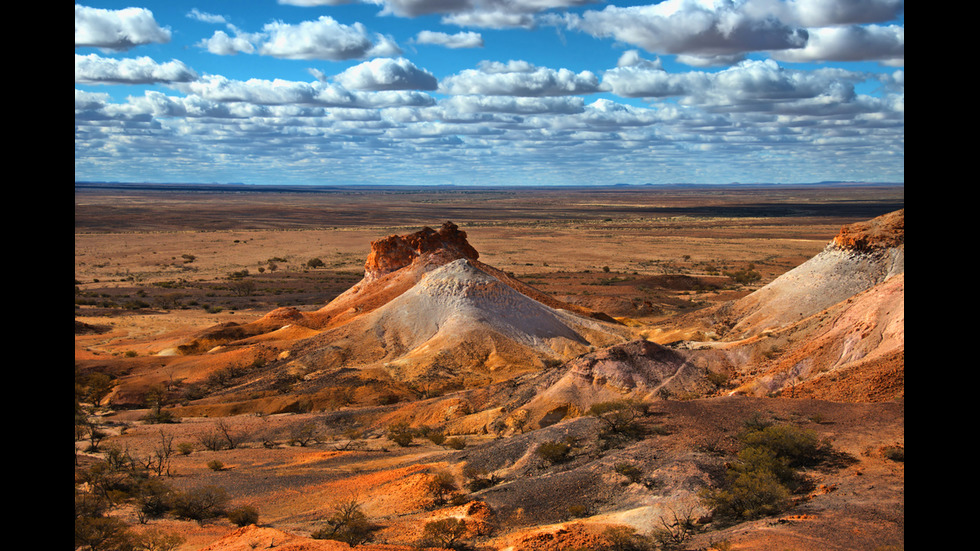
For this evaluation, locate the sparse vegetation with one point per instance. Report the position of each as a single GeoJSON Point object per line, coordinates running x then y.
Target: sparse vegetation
{"type": "Point", "coordinates": [201, 504]}
{"type": "Point", "coordinates": [449, 533]}
{"type": "Point", "coordinates": [765, 474]}
{"type": "Point", "coordinates": [401, 434]}
{"type": "Point", "coordinates": [621, 420]}
{"type": "Point", "coordinates": [244, 515]}
{"type": "Point", "coordinates": [347, 523]}
{"type": "Point", "coordinates": [554, 452]}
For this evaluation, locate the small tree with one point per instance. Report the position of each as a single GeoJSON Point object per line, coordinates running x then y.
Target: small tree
{"type": "Point", "coordinates": [448, 533]}
{"type": "Point", "coordinates": [201, 503]}
{"type": "Point", "coordinates": [347, 523]}
{"type": "Point", "coordinates": [99, 386]}
{"type": "Point", "coordinates": [620, 418]}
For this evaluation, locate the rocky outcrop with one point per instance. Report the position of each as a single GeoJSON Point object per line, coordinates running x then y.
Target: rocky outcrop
{"type": "Point", "coordinates": [883, 232]}
{"type": "Point", "coordinates": [394, 252]}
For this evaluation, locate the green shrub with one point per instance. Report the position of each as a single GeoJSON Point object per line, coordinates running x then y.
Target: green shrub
{"type": "Point", "coordinates": [766, 473]}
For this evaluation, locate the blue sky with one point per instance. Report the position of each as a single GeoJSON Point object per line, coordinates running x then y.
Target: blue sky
{"type": "Point", "coordinates": [490, 92]}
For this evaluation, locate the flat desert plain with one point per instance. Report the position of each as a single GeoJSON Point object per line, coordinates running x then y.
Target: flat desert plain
{"type": "Point", "coordinates": [614, 249]}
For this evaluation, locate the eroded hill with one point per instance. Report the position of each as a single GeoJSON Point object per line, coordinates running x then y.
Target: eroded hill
{"type": "Point", "coordinates": [499, 392]}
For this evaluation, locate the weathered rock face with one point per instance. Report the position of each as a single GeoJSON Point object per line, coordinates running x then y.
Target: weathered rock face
{"type": "Point", "coordinates": [878, 233]}
{"type": "Point", "coordinates": [397, 251]}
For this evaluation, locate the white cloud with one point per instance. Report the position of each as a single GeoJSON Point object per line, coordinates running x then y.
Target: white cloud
{"type": "Point", "coordinates": [93, 69]}
{"type": "Point", "coordinates": [415, 8]}
{"type": "Point", "coordinates": [205, 17]}
{"type": "Point", "coordinates": [284, 92]}
{"type": "Point", "coordinates": [747, 81]}
{"type": "Point", "coordinates": [513, 105]}
{"type": "Point", "coordinates": [851, 43]}
{"type": "Point", "coordinates": [221, 43]}
{"type": "Point", "coordinates": [824, 13]}
{"type": "Point", "coordinates": [387, 74]}
{"type": "Point", "coordinates": [519, 78]}
{"type": "Point", "coordinates": [458, 40]}
{"type": "Point", "coordinates": [117, 30]}
{"type": "Point", "coordinates": [324, 38]}
{"type": "Point", "coordinates": [701, 28]}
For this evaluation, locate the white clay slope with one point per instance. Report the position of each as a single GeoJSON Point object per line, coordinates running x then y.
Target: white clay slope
{"type": "Point", "coordinates": [458, 300]}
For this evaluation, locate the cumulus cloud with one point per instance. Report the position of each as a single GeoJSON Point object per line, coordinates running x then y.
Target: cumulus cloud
{"type": "Point", "coordinates": [520, 78]}
{"type": "Point", "coordinates": [221, 43]}
{"type": "Point", "coordinates": [387, 74]}
{"type": "Point", "coordinates": [851, 43]}
{"type": "Point", "coordinates": [721, 32]}
{"type": "Point", "coordinates": [415, 8]}
{"type": "Point", "coordinates": [284, 92]}
{"type": "Point", "coordinates": [117, 30]}
{"type": "Point", "coordinates": [700, 28]}
{"type": "Point", "coordinates": [513, 105]}
{"type": "Point", "coordinates": [751, 86]}
{"type": "Point", "coordinates": [826, 13]}
{"type": "Point", "coordinates": [458, 40]}
{"type": "Point", "coordinates": [94, 69]}
{"type": "Point", "coordinates": [324, 38]}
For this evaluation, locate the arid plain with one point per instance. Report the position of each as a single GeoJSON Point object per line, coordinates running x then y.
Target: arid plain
{"type": "Point", "coordinates": [158, 268]}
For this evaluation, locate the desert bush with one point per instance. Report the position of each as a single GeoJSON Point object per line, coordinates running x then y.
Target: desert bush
{"type": "Point", "coordinates": [347, 523]}
{"type": "Point", "coordinates": [434, 435]}
{"type": "Point", "coordinates": [315, 263]}
{"type": "Point", "coordinates": [675, 532]}
{"type": "Point", "coordinates": [201, 504]}
{"type": "Point", "coordinates": [479, 479]}
{"type": "Point", "coordinates": [102, 533]}
{"type": "Point", "coordinates": [220, 438]}
{"type": "Point", "coordinates": [442, 487]}
{"type": "Point", "coordinates": [766, 473]}
{"type": "Point", "coordinates": [448, 533]}
{"type": "Point", "coordinates": [625, 538]}
{"type": "Point", "coordinates": [216, 465]}
{"type": "Point", "coordinates": [153, 499]}
{"type": "Point", "coordinates": [304, 434]}
{"type": "Point", "coordinates": [620, 419]}
{"type": "Point", "coordinates": [243, 515]}
{"type": "Point", "coordinates": [156, 540]}
{"type": "Point", "coordinates": [554, 452]}
{"type": "Point", "coordinates": [401, 434]}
